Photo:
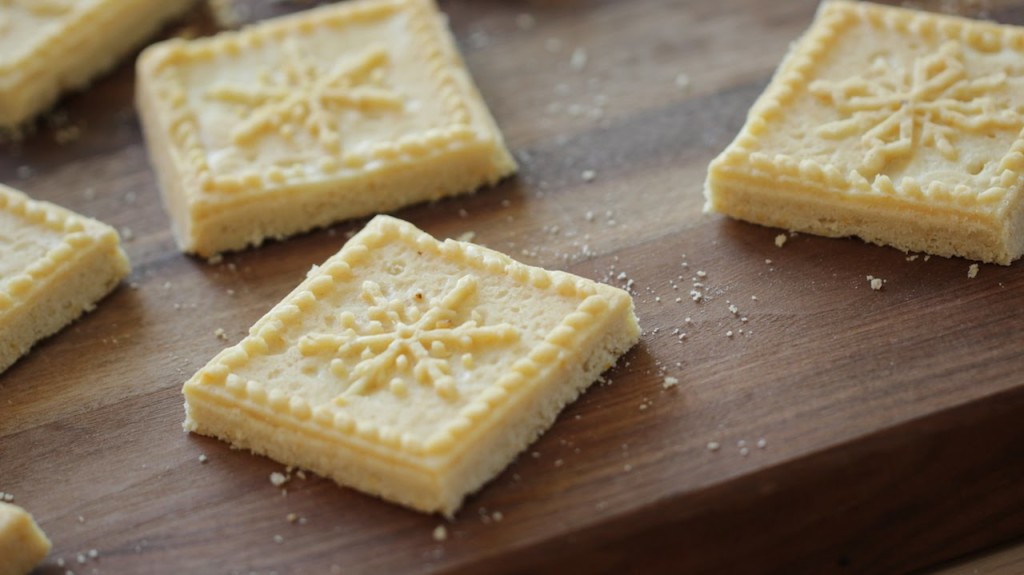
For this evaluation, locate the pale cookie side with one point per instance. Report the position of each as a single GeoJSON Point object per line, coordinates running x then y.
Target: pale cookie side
{"type": "Point", "coordinates": [295, 123]}
{"type": "Point", "coordinates": [412, 369]}
{"type": "Point", "coordinates": [56, 265]}
{"type": "Point", "coordinates": [900, 127]}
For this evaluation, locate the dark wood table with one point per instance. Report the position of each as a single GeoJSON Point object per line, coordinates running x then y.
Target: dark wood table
{"type": "Point", "coordinates": [860, 431]}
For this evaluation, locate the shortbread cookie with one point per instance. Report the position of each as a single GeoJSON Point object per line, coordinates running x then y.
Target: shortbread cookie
{"type": "Point", "coordinates": [51, 46]}
{"type": "Point", "coordinates": [337, 112]}
{"type": "Point", "coordinates": [54, 265]}
{"type": "Point", "coordinates": [22, 543]}
{"type": "Point", "coordinates": [897, 126]}
{"type": "Point", "coordinates": [410, 368]}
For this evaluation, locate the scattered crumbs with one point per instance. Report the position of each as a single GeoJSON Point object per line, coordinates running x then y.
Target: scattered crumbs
{"type": "Point", "coordinates": [578, 61]}
{"type": "Point", "coordinates": [278, 479]}
{"type": "Point", "coordinates": [203, 458]}
{"type": "Point", "coordinates": [780, 240]}
{"type": "Point", "coordinates": [80, 558]}
{"type": "Point", "coordinates": [127, 234]}
{"type": "Point", "coordinates": [589, 216]}
{"type": "Point", "coordinates": [497, 516]}
{"type": "Point", "coordinates": [93, 554]}
{"type": "Point", "coordinates": [741, 443]}
{"type": "Point", "coordinates": [525, 21]}
{"type": "Point", "coordinates": [81, 519]}
{"type": "Point", "coordinates": [728, 333]}
{"type": "Point", "coordinates": [588, 175]}
{"type": "Point", "coordinates": [876, 283]}
{"type": "Point", "coordinates": [714, 446]}
{"type": "Point", "coordinates": [972, 272]}
{"type": "Point", "coordinates": [753, 298]}
{"type": "Point", "coordinates": [768, 260]}
{"type": "Point", "coordinates": [292, 518]}
{"type": "Point", "coordinates": [300, 474]}
{"type": "Point", "coordinates": [702, 274]}
{"type": "Point", "coordinates": [912, 258]}
{"type": "Point", "coordinates": [535, 454]}
{"type": "Point", "coordinates": [7, 497]}
{"type": "Point", "coordinates": [219, 333]}
{"type": "Point", "coordinates": [927, 257]}
{"type": "Point", "coordinates": [761, 443]}
{"type": "Point", "coordinates": [682, 81]}
{"type": "Point", "coordinates": [278, 539]}
{"type": "Point", "coordinates": [466, 236]}
{"type": "Point", "coordinates": [60, 562]}
{"type": "Point", "coordinates": [744, 451]}
{"type": "Point", "coordinates": [670, 381]}
{"type": "Point", "coordinates": [733, 309]}
{"type": "Point", "coordinates": [688, 320]}
{"type": "Point", "coordinates": [215, 259]}
{"type": "Point", "coordinates": [440, 533]}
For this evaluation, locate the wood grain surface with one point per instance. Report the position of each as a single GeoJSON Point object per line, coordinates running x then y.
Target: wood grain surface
{"type": "Point", "coordinates": [890, 420]}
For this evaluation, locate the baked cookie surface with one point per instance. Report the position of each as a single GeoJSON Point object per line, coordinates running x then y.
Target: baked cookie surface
{"type": "Point", "coordinates": [22, 543]}
{"type": "Point", "coordinates": [410, 368]}
{"type": "Point", "coordinates": [54, 266]}
{"type": "Point", "coordinates": [333, 113]}
{"type": "Point", "coordinates": [48, 47]}
{"type": "Point", "coordinates": [897, 126]}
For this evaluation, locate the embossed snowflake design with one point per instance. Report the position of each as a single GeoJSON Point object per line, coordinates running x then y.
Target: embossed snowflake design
{"type": "Point", "coordinates": [894, 110]}
{"type": "Point", "coordinates": [402, 338]}
{"type": "Point", "coordinates": [300, 95]}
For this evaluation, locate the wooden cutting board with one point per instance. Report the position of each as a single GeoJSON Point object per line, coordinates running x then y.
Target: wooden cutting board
{"type": "Point", "coordinates": [860, 431]}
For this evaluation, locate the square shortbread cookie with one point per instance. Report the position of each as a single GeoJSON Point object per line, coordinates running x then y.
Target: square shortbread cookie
{"type": "Point", "coordinates": [51, 46]}
{"type": "Point", "coordinates": [901, 127]}
{"type": "Point", "coordinates": [54, 265]}
{"type": "Point", "coordinates": [410, 368]}
{"type": "Point", "coordinates": [22, 543]}
{"type": "Point", "coordinates": [333, 113]}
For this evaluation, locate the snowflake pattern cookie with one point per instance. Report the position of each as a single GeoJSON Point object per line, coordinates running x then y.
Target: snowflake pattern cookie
{"type": "Point", "coordinates": [412, 369]}
{"type": "Point", "coordinates": [51, 46]}
{"type": "Point", "coordinates": [897, 126]}
{"type": "Point", "coordinates": [336, 112]}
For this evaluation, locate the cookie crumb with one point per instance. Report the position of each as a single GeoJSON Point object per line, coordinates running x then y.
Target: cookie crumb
{"type": "Point", "coordinates": [972, 272]}
{"type": "Point", "coordinates": [714, 446]}
{"type": "Point", "coordinates": [219, 333]}
{"type": "Point", "coordinates": [670, 381]}
{"type": "Point", "coordinates": [203, 458]}
{"type": "Point", "coordinates": [588, 175]}
{"type": "Point", "coordinates": [876, 283]}
{"type": "Point", "coordinates": [440, 533]}
{"type": "Point", "coordinates": [278, 479]}
{"type": "Point", "coordinates": [780, 240]}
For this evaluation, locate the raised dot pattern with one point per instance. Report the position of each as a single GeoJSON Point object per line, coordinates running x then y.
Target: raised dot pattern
{"type": "Point", "coordinates": [895, 112]}
{"type": "Point", "coordinates": [399, 343]}
{"type": "Point", "coordinates": [309, 96]}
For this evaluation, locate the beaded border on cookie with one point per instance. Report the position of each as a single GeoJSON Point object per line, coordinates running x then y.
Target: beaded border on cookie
{"type": "Point", "coordinates": [183, 125]}
{"type": "Point", "coordinates": [76, 238]}
{"type": "Point", "coordinates": [836, 17]}
{"type": "Point", "coordinates": [266, 335]}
